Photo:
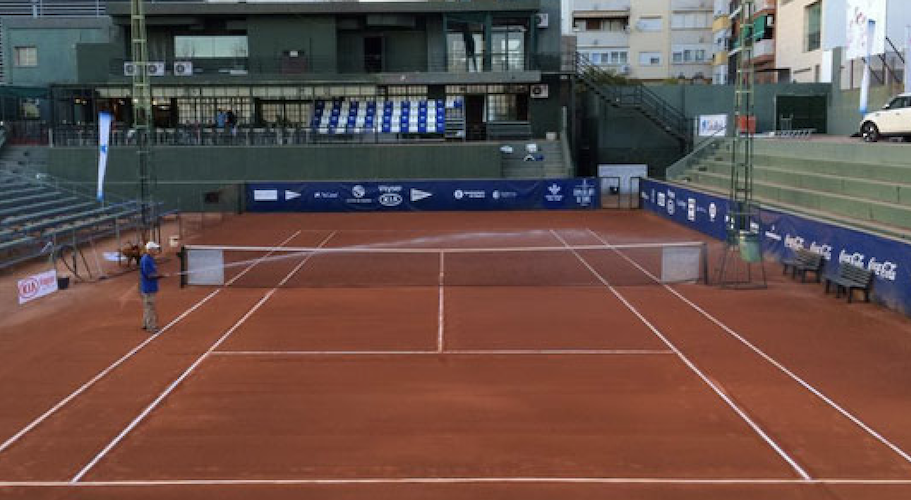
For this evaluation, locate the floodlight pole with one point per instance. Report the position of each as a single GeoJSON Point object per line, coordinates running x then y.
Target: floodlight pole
{"type": "Point", "coordinates": [142, 115]}
{"type": "Point", "coordinates": [743, 244]}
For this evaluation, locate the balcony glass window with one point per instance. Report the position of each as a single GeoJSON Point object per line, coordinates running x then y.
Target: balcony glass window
{"type": "Point", "coordinates": [210, 47]}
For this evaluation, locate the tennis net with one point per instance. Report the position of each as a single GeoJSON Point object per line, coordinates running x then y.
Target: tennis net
{"type": "Point", "coordinates": [346, 267]}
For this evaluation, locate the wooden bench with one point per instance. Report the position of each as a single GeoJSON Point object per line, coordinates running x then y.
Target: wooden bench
{"type": "Point", "coordinates": [851, 277]}
{"type": "Point", "coordinates": [802, 262]}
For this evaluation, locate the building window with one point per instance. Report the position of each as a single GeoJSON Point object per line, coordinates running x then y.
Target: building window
{"type": "Point", "coordinates": [649, 58]}
{"type": "Point", "coordinates": [649, 24]}
{"type": "Point", "coordinates": [26, 57]}
{"type": "Point", "coordinates": [210, 47]}
{"type": "Point", "coordinates": [813, 16]}
{"type": "Point", "coordinates": [690, 20]}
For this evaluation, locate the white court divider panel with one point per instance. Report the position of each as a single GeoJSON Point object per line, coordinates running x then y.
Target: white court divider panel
{"type": "Point", "coordinates": [207, 267]}
{"type": "Point", "coordinates": [682, 264]}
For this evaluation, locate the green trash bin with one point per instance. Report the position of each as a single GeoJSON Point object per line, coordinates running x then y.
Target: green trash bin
{"type": "Point", "coordinates": [750, 248]}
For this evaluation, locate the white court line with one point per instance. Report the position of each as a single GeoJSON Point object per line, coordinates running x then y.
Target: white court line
{"type": "Point", "coordinates": [460, 352]}
{"type": "Point", "coordinates": [806, 385]}
{"type": "Point", "coordinates": [692, 366]}
{"type": "Point", "coordinates": [103, 373]}
{"type": "Point", "coordinates": [136, 421]}
{"type": "Point", "coordinates": [460, 480]}
{"type": "Point", "coordinates": [440, 319]}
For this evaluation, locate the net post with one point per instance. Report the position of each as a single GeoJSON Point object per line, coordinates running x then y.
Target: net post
{"type": "Point", "coordinates": [182, 254]}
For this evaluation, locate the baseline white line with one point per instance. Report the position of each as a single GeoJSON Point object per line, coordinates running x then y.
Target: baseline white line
{"type": "Point", "coordinates": [103, 373]}
{"type": "Point", "coordinates": [136, 421]}
{"type": "Point", "coordinates": [458, 480]}
{"type": "Point", "coordinates": [473, 352]}
{"type": "Point", "coordinates": [692, 366]}
{"type": "Point", "coordinates": [803, 383]}
{"type": "Point", "coordinates": [440, 319]}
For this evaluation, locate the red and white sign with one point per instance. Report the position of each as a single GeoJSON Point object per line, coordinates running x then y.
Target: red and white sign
{"type": "Point", "coordinates": [37, 286]}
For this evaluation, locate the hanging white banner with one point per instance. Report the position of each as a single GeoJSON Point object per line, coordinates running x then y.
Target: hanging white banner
{"type": "Point", "coordinates": [104, 139]}
{"type": "Point", "coordinates": [858, 40]}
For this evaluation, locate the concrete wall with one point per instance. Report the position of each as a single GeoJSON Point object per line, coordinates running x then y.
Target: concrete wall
{"type": "Point", "coordinates": [56, 41]}
{"type": "Point", "coordinates": [625, 136]}
{"type": "Point", "coordinates": [269, 36]}
{"type": "Point", "coordinates": [184, 173]}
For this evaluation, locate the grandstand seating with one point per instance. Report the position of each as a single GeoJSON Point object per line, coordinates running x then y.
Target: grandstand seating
{"type": "Point", "coordinates": [867, 186]}
{"type": "Point", "coordinates": [37, 214]}
{"type": "Point", "coordinates": [424, 117]}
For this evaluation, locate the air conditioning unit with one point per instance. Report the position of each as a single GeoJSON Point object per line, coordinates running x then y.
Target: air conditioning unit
{"type": "Point", "coordinates": [627, 28]}
{"type": "Point", "coordinates": [624, 69]}
{"type": "Point", "coordinates": [183, 68]}
{"type": "Point", "coordinates": [129, 69]}
{"type": "Point", "coordinates": [155, 69]}
{"type": "Point", "coordinates": [542, 19]}
{"type": "Point", "coordinates": [539, 91]}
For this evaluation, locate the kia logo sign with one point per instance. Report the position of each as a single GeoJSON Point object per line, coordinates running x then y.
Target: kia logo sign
{"type": "Point", "coordinates": [391, 199]}
{"type": "Point", "coordinates": [29, 288]}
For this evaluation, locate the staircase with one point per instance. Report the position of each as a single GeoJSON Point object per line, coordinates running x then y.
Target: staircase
{"type": "Point", "coordinates": [549, 161]}
{"type": "Point", "coordinates": [637, 97]}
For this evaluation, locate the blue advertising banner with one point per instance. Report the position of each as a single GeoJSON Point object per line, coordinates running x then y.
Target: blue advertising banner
{"type": "Point", "coordinates": [782, 233]}
{"type": "Point", "coordinates": [558, 194]}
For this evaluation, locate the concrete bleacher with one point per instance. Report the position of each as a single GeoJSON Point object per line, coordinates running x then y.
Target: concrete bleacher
{"type": "Point", "coordinates": [863, 185]}
{"type": "Point", "coordinates": [393, 116]}
{"type": "Point", "coordinates": [37, 213]}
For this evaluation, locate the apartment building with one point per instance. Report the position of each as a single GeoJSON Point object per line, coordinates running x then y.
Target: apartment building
{"type": "Point", "coordinates": [799, 48]}
{"type": "Point", "coordinates": [726, 31]}
{"type": "Point", "coordinates": [647, 40]}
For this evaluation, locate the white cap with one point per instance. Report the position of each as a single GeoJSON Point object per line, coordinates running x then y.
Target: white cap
{"type": "Point", "coordinates": [152, 246]}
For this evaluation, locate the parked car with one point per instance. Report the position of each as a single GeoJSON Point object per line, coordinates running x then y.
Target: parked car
{"type": "Point", "coordinates": [893, 120]}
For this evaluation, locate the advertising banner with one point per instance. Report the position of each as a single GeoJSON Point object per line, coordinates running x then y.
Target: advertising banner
{"type": "Point", "coordinates": [560, 194]}
{"type": "Point", "coordinates": [37, 286]}
{"type": "Point", "coordinates": [713, 125]}
{"type": "Point", "coordinates": [782, 232]}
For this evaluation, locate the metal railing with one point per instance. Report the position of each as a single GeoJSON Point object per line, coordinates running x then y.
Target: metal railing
{"type": "Point", "coordinates": [191, 135]}
{"type": "Point", "coordinates": [635, 95]}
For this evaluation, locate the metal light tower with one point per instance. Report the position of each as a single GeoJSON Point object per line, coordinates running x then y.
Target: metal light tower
{"type": "Point", "coordinates": [743, 245]}
{"type": "Point", "coordinates": [142, 113]}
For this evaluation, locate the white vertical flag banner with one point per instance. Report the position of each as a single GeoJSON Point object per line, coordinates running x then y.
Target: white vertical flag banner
{"type": "Point", "coordinates": [104, 140]}
{"type": "Point", "coordinates": [907, 58]}
{"type": "Point", "coordinates": [865, 82]}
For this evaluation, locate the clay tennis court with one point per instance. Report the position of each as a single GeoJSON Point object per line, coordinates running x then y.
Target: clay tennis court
{"type": "Point", "coordinates": [453, 372]}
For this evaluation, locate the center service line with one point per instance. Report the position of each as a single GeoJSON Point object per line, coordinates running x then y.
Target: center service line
{"type": "Point", "coordinates": [103, 373]}
{"type": "Point", "coordinates": [440, 318]}
{"type": "Point", "coordinates": [161, 397]}
{"type": "Point", "coordinates": [692, 366]}
{"type": "Point", "coordinates": [806, 385]}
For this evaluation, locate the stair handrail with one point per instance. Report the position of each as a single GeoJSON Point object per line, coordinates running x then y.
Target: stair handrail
{"type": "Point", "coordinates": [641, 95]}
{"type": "Point", "coordinates": [678, 167]}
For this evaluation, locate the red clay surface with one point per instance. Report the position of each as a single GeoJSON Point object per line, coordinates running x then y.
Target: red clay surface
{"type": "Point", "coordinates": [541, 383]}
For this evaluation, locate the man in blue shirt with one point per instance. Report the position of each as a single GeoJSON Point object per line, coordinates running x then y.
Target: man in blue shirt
{"type": "Point", "coordinates": [148, 286]}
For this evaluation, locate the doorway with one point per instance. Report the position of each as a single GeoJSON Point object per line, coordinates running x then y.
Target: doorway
{"type": "Point", "coordinates": [474, 118]}
{"type": "Point", "coordinates": [373, 54]}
